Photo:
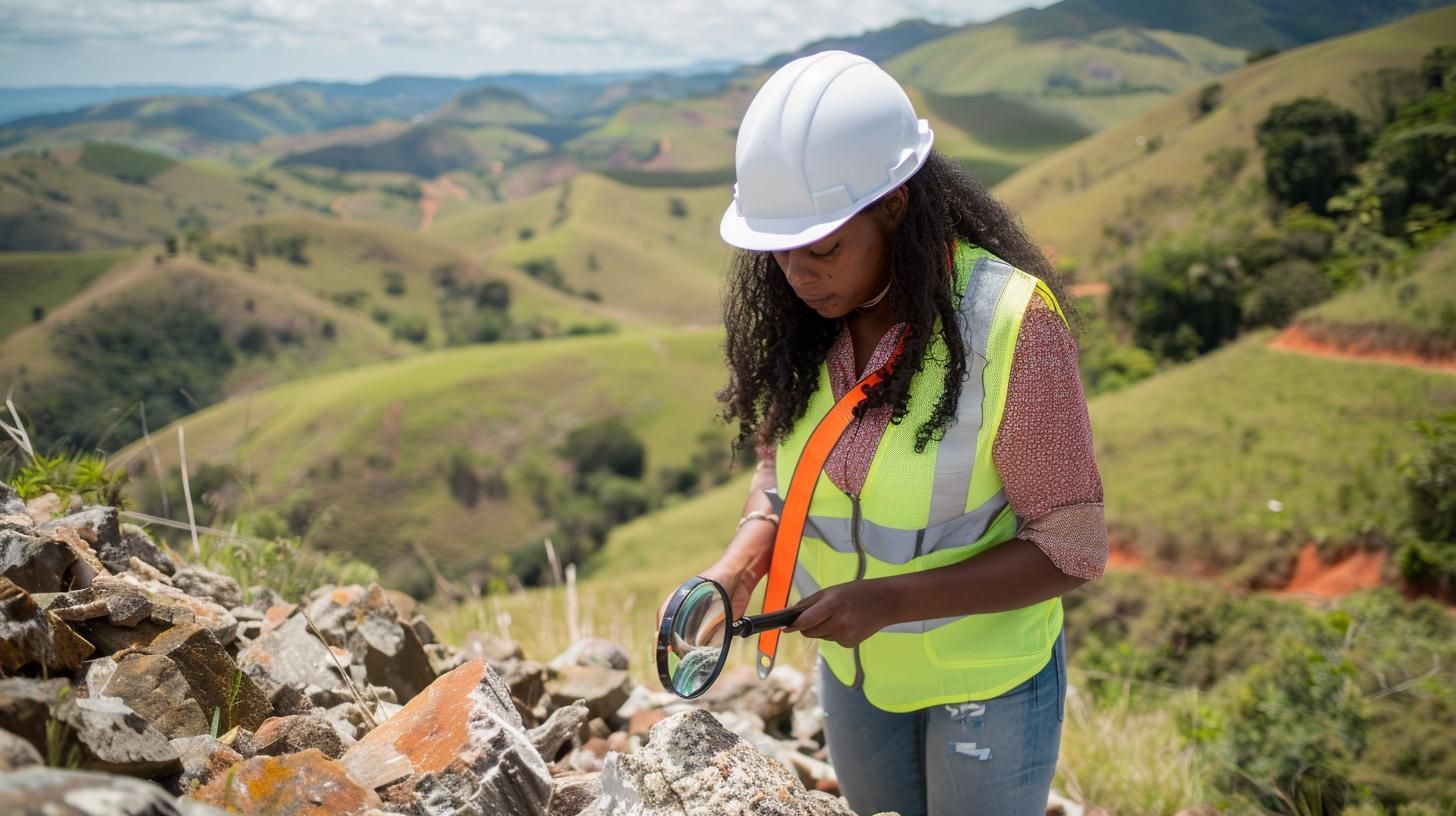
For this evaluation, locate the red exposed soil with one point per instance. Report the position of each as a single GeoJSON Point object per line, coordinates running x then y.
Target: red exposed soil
{"type": "Point", "coordinates": [1349, 573]}
{"type": "Point", "coordinates": [1299, 341]}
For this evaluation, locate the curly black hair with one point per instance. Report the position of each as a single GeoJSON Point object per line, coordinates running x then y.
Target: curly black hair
{"type": "Point", "coordinates": [775, 343]}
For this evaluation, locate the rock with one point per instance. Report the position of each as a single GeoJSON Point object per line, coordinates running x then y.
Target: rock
{"type": "Point", "coordinates": [459, 746]}
{"type": "Point", "coordinates": [17, 522]}
{"type": "Point", "coordinates": [525, 678]}
{"type": "Point", "coordinates": [771, 699]}
{"type": "Point", "coordinates": [142, 569]}
{"type": "Point", "coordinates": [365, 622]}
{"type": "Point", "coordinates": [53, 792]}
{"type": "Point", "coordinates": [35, 563]}
{"type": "Point", "coordinates": [216, 682]}
{"type": "Point", "coordinates": [10, 502]}
{"type": "Point", "coordinates": [592, 652]}
{"type": "Point", "coordinates": [619, 741]}
{"type": "Point", "coordinates": [574, 792]}
{"type": "Point", "coordinates": [86, 566]}
{"type": "Point", "coordinates": [640, 723]}
{"type": "Point", "coordinates": [300, 732]}
{"type": "Point", "coordinates": [306, 784]}
{"type": "Point", "coordinates": [240, 740]}
{"type": "Point", "coordinates": [692, 765]}
{"type": "Point", "coordinates": [136, 543]}
{"type": "Point", "coordinates": [423, 630]}
{"type": "Point", "coordinates": [99, 527]}
{"type": "Point", "coordinates": [442, 658]}
{"type": "Point", "coordinates": [198, 582]}
{"type": "Point", "coordinates": [16, 753]}
{"type": "Point", "coordinates": [589, 757]}
{"type": "Point", "coordinates": [563, 727]}
{"type": "Point", "coordinates": [806, 718]}
{"type": "Point", "coordinates": [30, 635]}
{"type": "Point", "coordinates": [42, 508]}
{"type": "Point", "coordinates": [491, 648]}
{"type": "Point", "coordinates": [405, 606]}
{"type": "Point", "coordinates": [203, 757]}
{"type": "Point", "coordinates": [604, 690]}
{"type": "Point", "coordinates": [26, 705]}
{"type": "Point", "coordinates": [290, 655]}
{"type": "Point", "coordinates": [153, 686]}
{"type": "Point", "coordinates": [115, 739]}
{"type": "Point", "coordinates": [119, 611]}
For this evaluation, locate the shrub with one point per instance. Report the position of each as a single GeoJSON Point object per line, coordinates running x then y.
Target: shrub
{"type": "Point", "coordinates": [605, 445]}
{"type": "Point", "coordinates": [1283, 290]}
{"type": "Point", "coordinates": [1429, 558]}
{"type": "Point", "coordinates": [1311, 149]}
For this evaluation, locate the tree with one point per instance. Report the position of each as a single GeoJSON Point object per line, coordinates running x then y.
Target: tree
{"type": "Point", "coordinates": [1311, 149]}
{"type": "Point", "coordinates": [605, 445]}
{"type": "Point", "coordinates": [1208, 98]}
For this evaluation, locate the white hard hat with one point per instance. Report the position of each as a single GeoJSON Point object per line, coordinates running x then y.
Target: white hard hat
{"type": "Point", "coordinates": [825, 137]}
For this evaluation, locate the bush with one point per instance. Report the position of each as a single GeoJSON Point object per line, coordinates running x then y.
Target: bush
{"type": "Point", "coordinates": [1429, 558]}
{"type": "Point", "coordinates": [1181, 301]}
{"type": "Point", "coordinates": [1208, 98]}
{"type": "Point", "coordinates": [1311, 149]}
{"type": "Point", "coordinates": [1283, 290]}
{"type": "Point", "coordinates": [605, 445]}
{"type": "Point", "coordinates": [75, 475]}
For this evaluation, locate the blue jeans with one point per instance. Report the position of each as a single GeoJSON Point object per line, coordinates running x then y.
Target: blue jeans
{"type": "Point", "coordinates": [990, 757]}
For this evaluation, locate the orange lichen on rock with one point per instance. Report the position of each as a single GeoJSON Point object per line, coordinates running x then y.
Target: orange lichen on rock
{"type": "Point", "coordinates": [306, 783]}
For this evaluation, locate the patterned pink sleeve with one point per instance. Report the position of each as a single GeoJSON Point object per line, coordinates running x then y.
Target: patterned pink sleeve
{"type": "Point", "coordinates": [1044, 451]}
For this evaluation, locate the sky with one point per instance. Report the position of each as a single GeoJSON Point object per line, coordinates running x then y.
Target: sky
{"type": "Point", "coordinates": [249, 43]}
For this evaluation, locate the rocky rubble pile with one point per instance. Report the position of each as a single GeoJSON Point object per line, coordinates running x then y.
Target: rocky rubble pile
{"type": "Point", "coordinates": [119, 665]}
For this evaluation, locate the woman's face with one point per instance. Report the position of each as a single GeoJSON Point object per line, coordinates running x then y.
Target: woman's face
{"type": "Point", "coordinates": [850, 265]}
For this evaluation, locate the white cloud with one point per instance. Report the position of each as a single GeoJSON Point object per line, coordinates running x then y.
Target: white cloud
{"type": "Point", "coordinates": [413, 35]}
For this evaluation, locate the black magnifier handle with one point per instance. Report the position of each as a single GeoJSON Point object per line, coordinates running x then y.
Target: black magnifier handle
{"type": "Point", "coordinates": [752, 624]}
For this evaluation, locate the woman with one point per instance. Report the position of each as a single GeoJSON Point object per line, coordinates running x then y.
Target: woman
{"type": "Point", "coordinates": [964, 499]}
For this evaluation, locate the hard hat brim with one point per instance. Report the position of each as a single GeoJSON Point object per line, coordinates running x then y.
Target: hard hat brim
{"type": "Point", "coordinates": [775, 234]}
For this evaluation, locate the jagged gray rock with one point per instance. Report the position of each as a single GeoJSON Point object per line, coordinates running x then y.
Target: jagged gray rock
{"type": "Point", "coordinates": [52, 792]}
{"type": "Point", "coordinates": [153, 686]}
{"type": "Point", "coordinates": [29, 634]}
{"type": "Point", "coordinates": [222, 590]}
{"type": "Point", "coordinates": [366, 622]}
{"type": "Point", "coordinates": [592, 652]}
{"type": "Point", "coordinates": [115, 739]}
{"type": "Point", "coordinates": [693, 766]}
{"type": "Point", "coordinates": [605, 690]}
{"type": "Point", "coordinates": [36, 563]}
{"type": "Point", "coordinates": [10, 501]}
{"type": "Point", "coordinates": [563, 727]}
{"type": "Point", "coordinates": [26, 705]}
{"type": "Point", "coordinates": [203, 757]}
{"type": "Point", "coordinates": [290, 655]}
{"type": "Point", "coordinates": [16, 753]}
{"type": "Point", "coordinates": [117, 611]}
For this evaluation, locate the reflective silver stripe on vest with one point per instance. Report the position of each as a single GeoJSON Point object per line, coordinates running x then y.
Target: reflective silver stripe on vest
{"type": "Point", "coordinates": [895, 545]}
{"type": "Point", "coordinates": [956, 454]}
{"type": "Point", "coordinates": [806, 586]}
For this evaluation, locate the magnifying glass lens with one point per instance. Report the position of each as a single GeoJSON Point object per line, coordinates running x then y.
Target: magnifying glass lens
{"type": "Point", "coordinates": [699, 634]}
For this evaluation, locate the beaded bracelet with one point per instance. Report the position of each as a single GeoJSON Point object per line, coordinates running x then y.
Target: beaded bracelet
{"type": "Point", "coordinates": [758, 514]}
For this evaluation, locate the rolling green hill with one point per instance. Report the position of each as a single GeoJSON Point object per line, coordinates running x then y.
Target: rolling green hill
{"type": "Point", "coordinates": [648, 251]}
{"type": "Point", "coordinates": [1097, 78]}
{"type": "Point", "coordinates": [1170, 171]}
{"type": "Point", "coordinates": [42, 281]}
{"type": "Point", "coordinates": [369, 453]}
{"type": "Point", "coordinates": [105, 196]}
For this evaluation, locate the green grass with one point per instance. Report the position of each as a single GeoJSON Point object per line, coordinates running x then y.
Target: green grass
{"type": "Point", "coordinates": [1192, 458]}
{"type": "Point", "coordinates": [1419, 305]}
{"type": "Point", "coordinates": [45, 280]}
{"type": "Point", "coordinates": [122, 162]}
{"type": "Point", "coordinates": [1113, 181]}
{"type": "Point", "coordinates": [369, 446]}
{"type": "Point", "coordinates": [617, 240]}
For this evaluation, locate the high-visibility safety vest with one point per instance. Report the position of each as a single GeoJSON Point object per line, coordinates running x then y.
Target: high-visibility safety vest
{"type": "Point", "coordinates": [919, 511]}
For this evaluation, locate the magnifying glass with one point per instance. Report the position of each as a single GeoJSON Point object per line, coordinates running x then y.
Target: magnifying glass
{"type": "Point", "coordinates": [692, 642]}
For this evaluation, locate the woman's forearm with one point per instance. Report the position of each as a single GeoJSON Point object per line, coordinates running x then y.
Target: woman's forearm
{"type": "Point", "coordinates": [1011, 575]}
{"type": "Point", "coordinates": [751, 549]}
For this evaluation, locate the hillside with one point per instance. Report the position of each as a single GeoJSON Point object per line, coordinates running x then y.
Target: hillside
{"type": "Point", "coordinates": [1170, 171]}
{"type": "Point", "coordinates": [37, 282]}
{"type": "Point", "coordinates": [104, 196]}
{"type": "Point", "coordinates": [370, 458]}
{"type": "Point", "coordinates": [650, 251]}
{"type": "Point", "coordinates": [1248, 24]}
{"type": "Point", "coordinates": [1095, 79]}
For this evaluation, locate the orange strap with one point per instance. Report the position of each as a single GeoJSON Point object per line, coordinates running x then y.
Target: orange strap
{"type": "Point", "coordinates": [796, 504]}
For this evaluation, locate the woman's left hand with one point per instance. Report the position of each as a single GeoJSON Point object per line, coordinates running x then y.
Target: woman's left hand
{"type": "Point", "coordinates": [845, 613]}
